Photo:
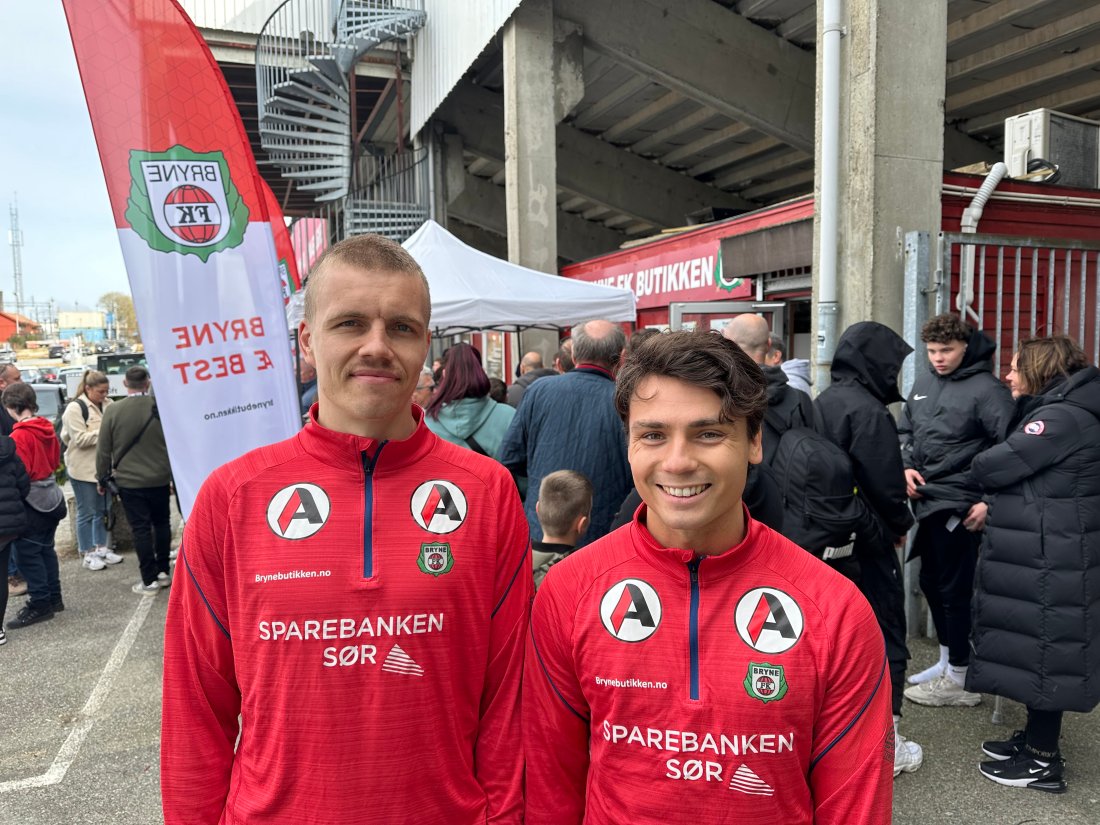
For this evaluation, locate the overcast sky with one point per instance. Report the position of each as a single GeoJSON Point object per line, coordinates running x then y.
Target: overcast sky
{"type": "Point", "coordinates": [48, 155]}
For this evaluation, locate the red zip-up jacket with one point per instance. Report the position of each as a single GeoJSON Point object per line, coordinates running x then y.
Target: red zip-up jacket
{"type": "Point", "coordinates": [664, 687]}
{"type": "Point", "coordinates": [37, 445]}
{"type": "Point", "coordinates": [363, 606]}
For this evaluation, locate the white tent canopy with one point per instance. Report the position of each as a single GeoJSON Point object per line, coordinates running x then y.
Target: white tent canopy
{"type": "Point", "coordinates": [472, 290]}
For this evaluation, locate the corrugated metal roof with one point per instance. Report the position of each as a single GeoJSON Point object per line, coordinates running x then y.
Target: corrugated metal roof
{"type": "Point", "coordinates": [447, 46]}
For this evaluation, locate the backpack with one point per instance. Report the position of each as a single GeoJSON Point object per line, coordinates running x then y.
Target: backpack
{"type": "Point", "coordinates": [63, 435]}
{"type": "Point", "coordinates": [822, 508]}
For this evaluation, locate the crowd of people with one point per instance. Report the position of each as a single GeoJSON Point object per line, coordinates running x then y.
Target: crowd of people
{"type": "Point", "coordinates": [577, 597]}
{"type": "Point", "coordinates": [106, 449]}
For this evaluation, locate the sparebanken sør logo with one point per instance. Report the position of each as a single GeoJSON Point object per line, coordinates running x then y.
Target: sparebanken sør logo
{"type": "Point", "coordinates": [184, 201]}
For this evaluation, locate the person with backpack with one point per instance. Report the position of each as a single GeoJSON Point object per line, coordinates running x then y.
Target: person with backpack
{"type": "Point", "coordinates": [461, 410]}
{"type": "Point", "coordinates": [787, 407]}
{"type": "Point", "coordinates": [852, 413]}
{"type": "Point", "coordinates": [80, 435]}
{"type": "Point", "coordinates": [38, 448]}
{"type": "Point", "coordinates": [956, 409]}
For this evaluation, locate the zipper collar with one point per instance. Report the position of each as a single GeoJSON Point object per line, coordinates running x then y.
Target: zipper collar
{"type": "Point", "coordinates": [345, 451]}
{"type": "Point", "coordinates": [674, 561]}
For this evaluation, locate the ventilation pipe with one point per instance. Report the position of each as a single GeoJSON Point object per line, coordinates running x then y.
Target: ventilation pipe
{"type": "Point", "coordinates": [829, 203]}
{"type": "Point", "coordinates": [970, 217]}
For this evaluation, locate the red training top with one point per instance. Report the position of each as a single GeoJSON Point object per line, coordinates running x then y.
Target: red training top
{"type": "Point", "coordinates": [363, 606]}
{"type": "Point", "coordinates": [661, 686]}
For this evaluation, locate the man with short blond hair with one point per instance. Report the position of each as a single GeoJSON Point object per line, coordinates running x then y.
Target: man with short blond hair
{"type": "Point", "coordinates": [347, 643]}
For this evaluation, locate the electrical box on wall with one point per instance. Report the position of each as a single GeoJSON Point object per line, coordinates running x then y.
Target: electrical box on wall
{"type": "Point", "coordinates": [1072, 143]}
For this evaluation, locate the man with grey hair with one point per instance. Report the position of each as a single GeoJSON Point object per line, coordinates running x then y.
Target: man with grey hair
{"type": "Point", "coordinates": [424, 388]}
{"type": "Point", "coordinates": [787, 407]}
{"type": "Point", "coordinates": [568, 422]}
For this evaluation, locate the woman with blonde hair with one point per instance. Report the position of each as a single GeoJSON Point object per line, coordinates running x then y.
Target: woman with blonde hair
{"type": "Point", "coordinates": [80, 432]}
{"type": "Point", "coordinates": [1036, 606]}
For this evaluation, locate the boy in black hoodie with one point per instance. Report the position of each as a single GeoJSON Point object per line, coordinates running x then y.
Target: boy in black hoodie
{"type": "Point", "coordinates": [852, 413]}
{"type": "Point", "coordinates": [957, 409]}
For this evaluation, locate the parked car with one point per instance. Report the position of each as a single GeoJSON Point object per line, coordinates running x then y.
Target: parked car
{"type": "Point", "coordinates": [49, 375]}
{"type": "Point", "coordinates": [7, 356]}
{"type": "Point", "coordinates": [104, 347]}
{"type": "Point", "coordinates": [58, 351]}
{"type": "Point", "coordinates": [31, 375]}
{"type": "Point", "coordinates": [51, 400]}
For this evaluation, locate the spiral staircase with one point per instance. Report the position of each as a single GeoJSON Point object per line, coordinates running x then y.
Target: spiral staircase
{"type": "Point", "coordinates": [304, 55]}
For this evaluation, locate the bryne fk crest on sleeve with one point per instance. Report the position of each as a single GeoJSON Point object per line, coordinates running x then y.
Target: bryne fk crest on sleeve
{"type": "Point", "coordinates": [664, 687]}
{"type": "Point", "coordinates": [363, 606]}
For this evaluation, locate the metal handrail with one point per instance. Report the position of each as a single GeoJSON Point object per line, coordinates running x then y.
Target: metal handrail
{"type": "Point", "coordinates": [295, 32]}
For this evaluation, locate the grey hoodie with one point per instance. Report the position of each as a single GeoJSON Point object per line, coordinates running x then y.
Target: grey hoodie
{"type": "Point", "coordinates": [798, 374]}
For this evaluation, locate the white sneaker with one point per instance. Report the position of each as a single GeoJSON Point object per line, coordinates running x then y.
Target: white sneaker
{"type": "Point", "coordinates": [106, 556]}
{"type": "Point", "coordinates": [908, 756]}
{"type": "Point", "coordinates": [92, 561]}
{"type": "Point", "coordinates": [943, 691]}
{"type": "Point", "coordinates": [142, 589]}
{"type": "Point", "coordinates": [163, 579]}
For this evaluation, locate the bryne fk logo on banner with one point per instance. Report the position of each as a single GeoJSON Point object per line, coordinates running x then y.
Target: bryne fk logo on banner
{"type": "Point", "coordinates": [298, 511]}
{"type": "Point", "coordinates": [768, 620]}
{"type": "Point", "coordinates": [183, 201]}
{"type": "Point", "coordinates": [631, 610]}
{"type": "Point", "coordinates": [438, 506]}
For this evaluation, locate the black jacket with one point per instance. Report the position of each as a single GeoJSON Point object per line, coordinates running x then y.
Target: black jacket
{"type": "Point", "coordinates": [852, 414]}
{"type": "Point", "coordinates": [515, 391]}
{"type": "Point", "coordinates": [787, 408]}
{"type": "Point", "coordinates": [1036, 608]}
{"type": "Point", "coordinates": [949, 419]}
{"type": "Point", "coordinates": [14, 486]}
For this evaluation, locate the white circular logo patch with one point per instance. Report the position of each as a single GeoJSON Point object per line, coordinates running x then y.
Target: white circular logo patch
{"type": "Point", "coordinates": [631, 610]}
{"type": "Point", "coordinates": [298, 511]}
{"type": "Point", "coordinates": [768, 620]}
{"type": "Point", "coordinates": [1034, 427]}
{"type": "Point", "coordinates": [438, 506]}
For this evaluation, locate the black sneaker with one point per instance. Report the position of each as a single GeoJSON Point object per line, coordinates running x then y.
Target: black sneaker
{"type": "Point", "coordinates": [30, 615]}
{"type": "Point", "coordinates": [1005, 749]}
{"type": "Point", "coordinates": [59, 606]}
{"type": "Point", "coordinates": [1021, 771]}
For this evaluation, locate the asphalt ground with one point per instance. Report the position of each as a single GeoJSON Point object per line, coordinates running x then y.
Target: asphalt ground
{"type": "Point", "coordinates": [80, 720]}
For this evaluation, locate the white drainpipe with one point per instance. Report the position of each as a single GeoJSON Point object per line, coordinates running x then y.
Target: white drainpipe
{"type": "Point", "coordinates": [829, 204]}
{"type": "Point", "coordinates": [970, 217]}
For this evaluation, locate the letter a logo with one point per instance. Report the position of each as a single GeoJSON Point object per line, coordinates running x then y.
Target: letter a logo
{"type": "Point", "coordinates": [631, 610]}
{"type": "Point", "coordinates": [768, 620]}
{"type": "Point", "coordinates": [438, 506]}
{"type": "Point", "coordinates": [298, 511]}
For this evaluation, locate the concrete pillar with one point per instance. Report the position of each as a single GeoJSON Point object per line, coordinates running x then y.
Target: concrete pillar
{"type": "Point", "coordinates": [530, 156]}
{"type": "Point", "coordinates": [893, 63]}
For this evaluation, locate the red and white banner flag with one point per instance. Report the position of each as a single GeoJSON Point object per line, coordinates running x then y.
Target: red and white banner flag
{"type": "Point", "coordinates": [284, 251]}
{"type": "Point", "coordinates": [195, 234]}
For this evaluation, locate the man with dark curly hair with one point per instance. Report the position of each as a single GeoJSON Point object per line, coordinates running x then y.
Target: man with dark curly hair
{"type": "Point", "coordinates": [956, 409]}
